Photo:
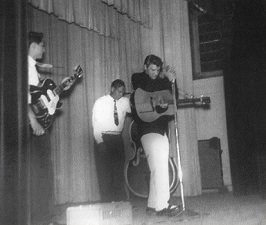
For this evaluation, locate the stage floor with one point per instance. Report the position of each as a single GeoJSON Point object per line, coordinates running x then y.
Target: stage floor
{"type": "Point", "coordinates": [206, 209]}
{"type": "Point", "coordinates": [209, 209]}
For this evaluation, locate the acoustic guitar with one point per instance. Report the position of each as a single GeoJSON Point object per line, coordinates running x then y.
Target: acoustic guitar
{"type": "Point", "coordinates": [45, 98]}
{"type": "Point", "coordinates": [150, 106]}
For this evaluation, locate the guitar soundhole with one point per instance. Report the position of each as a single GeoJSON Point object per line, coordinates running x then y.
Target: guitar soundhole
{"type": "Point", "coordinates": [160, 109]}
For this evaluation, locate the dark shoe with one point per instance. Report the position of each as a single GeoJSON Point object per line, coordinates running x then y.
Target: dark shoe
{"type": "Point", "coordinates": [150, 210]}
{"type": "Point", "coordinates": [171, 210]}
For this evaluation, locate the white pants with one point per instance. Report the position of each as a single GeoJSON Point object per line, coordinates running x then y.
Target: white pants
{"type": "Point", "coordinates": [156, 148]}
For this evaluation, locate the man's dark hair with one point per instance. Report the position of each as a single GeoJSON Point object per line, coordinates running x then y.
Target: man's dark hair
{"type": "Point", "coordinates": [153, 59]}
{"type": "Point", "coordinates": [117, 84]}
{"type": "Point", "coordinates": [35, 37]}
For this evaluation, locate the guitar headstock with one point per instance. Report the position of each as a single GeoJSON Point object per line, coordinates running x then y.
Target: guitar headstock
{"type": "Point", "coordinates": [205, 100]}
{"type": "Point", "coordinates": [78, 71]}
{"type": "Point", "coordinates": [68, 82]}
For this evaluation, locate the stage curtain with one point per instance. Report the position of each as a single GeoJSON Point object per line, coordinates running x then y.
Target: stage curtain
{"type": "Point", "coordinates": [169, 38]}
{"type": "Point", "coordinates": [175, 28]}
{"type": "Point", "coordinates": [96, 14]}
{"type": "Point", "coordinates": [103, 59]}
{"type": "Point", "coordinates": [118, 54]}
{"type": "Point", "coordinates": [137, 10]}
{"type": "Point", "coordinates": [14, 151]}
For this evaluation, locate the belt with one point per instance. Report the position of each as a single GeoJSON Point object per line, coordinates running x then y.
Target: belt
{"type": "Point", "coordinates": [112, 132]}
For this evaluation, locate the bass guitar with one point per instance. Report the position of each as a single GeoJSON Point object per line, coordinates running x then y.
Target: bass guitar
{"type": "Point", "coordinates": [150, 106]}
{"type": "Point", "coordinates": [45, 98]}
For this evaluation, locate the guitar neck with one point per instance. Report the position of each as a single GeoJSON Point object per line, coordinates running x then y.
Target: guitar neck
{"type": "Point", "coordinates": [188, 100]}
{"type": "Point", "coordinates": [185, 101]}
{"type": "Point", "coordinates": [61, 87]}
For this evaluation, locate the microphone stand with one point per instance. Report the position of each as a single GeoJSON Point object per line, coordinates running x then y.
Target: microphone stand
{"type": "Point", "coordinates": [179, 168]}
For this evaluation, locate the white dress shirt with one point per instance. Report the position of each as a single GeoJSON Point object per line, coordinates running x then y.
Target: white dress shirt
{"type": "Point", "coordinates": [103, 115]}
{"type": "Point", "coordinates": [33, 75]}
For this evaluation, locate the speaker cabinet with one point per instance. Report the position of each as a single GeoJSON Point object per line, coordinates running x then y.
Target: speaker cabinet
{"type": "Point", "coordinates": [210, 163]}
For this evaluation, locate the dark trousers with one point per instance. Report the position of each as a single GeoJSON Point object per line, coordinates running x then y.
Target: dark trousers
{"type": "Point", "coordinates": [41, 177]}
{"type": "Point", "coordinates": [110, 169]}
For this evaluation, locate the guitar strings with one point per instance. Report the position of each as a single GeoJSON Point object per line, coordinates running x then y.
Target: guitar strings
{"type": "Point", "coordinates": [185, 94]}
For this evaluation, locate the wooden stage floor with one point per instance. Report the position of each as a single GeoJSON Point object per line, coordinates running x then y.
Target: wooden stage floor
{"type": "Point", "coordinates": [206, 209]}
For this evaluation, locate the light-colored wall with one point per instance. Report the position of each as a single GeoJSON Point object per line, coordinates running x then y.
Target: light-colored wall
{"type": "Point", "coordinates": [212, 122]}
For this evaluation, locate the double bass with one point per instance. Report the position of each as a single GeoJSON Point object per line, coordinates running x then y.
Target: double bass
{"type": "Point", "coordinates": [136, 171]}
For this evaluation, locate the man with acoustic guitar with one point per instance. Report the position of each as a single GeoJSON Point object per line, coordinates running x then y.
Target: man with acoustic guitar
{"type": "Point", "coordinates": [153, 134]}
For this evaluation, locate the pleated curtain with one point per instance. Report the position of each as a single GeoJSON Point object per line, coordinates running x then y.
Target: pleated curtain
{"type": "Point", "coordinates": [109, 39]}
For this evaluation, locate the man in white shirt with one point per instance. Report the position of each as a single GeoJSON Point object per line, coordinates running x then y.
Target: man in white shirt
{"type": "Point", "coordinates": [41, 175]}
{"type": "Point", "coordinates": [36, 50]}
{"type": "Point", "coordinates": [108, 118]}
{"type": "Point", "coordinates": [41, 168]}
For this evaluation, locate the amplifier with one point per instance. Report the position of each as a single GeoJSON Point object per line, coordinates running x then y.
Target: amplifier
{"type": "Point", "coordinates": [211, 163]}
{"type": "Point", "coordinates": [118, 213]}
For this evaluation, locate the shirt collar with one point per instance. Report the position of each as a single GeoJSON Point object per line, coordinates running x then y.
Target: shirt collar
{"type": "Point", "coordinates": [110, 97]}
{"type": "Point", "coordinates": [113, 98]}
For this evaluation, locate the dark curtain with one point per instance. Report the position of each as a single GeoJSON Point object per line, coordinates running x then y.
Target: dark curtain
{"type": "Point", "coordinates": [245, 85]}
{"type": "Point", "coordinates": [14, 189]}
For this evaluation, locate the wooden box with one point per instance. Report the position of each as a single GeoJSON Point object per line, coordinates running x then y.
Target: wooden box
{"type": "Point", "coordinates": [118, 213]}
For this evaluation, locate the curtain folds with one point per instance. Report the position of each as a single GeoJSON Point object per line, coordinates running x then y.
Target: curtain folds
{"type": "Point", "coordinates": [103, 59]}
{"type": "Point", "coordinates": [96, 15]}
{"type": "Point", "coordinates": [14, 149]}
{"type": "Point", "coordinates": [108, 44]}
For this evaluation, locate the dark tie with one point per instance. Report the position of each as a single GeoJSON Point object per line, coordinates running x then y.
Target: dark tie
{"type": "Point", "coordinates": [115, 115]}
